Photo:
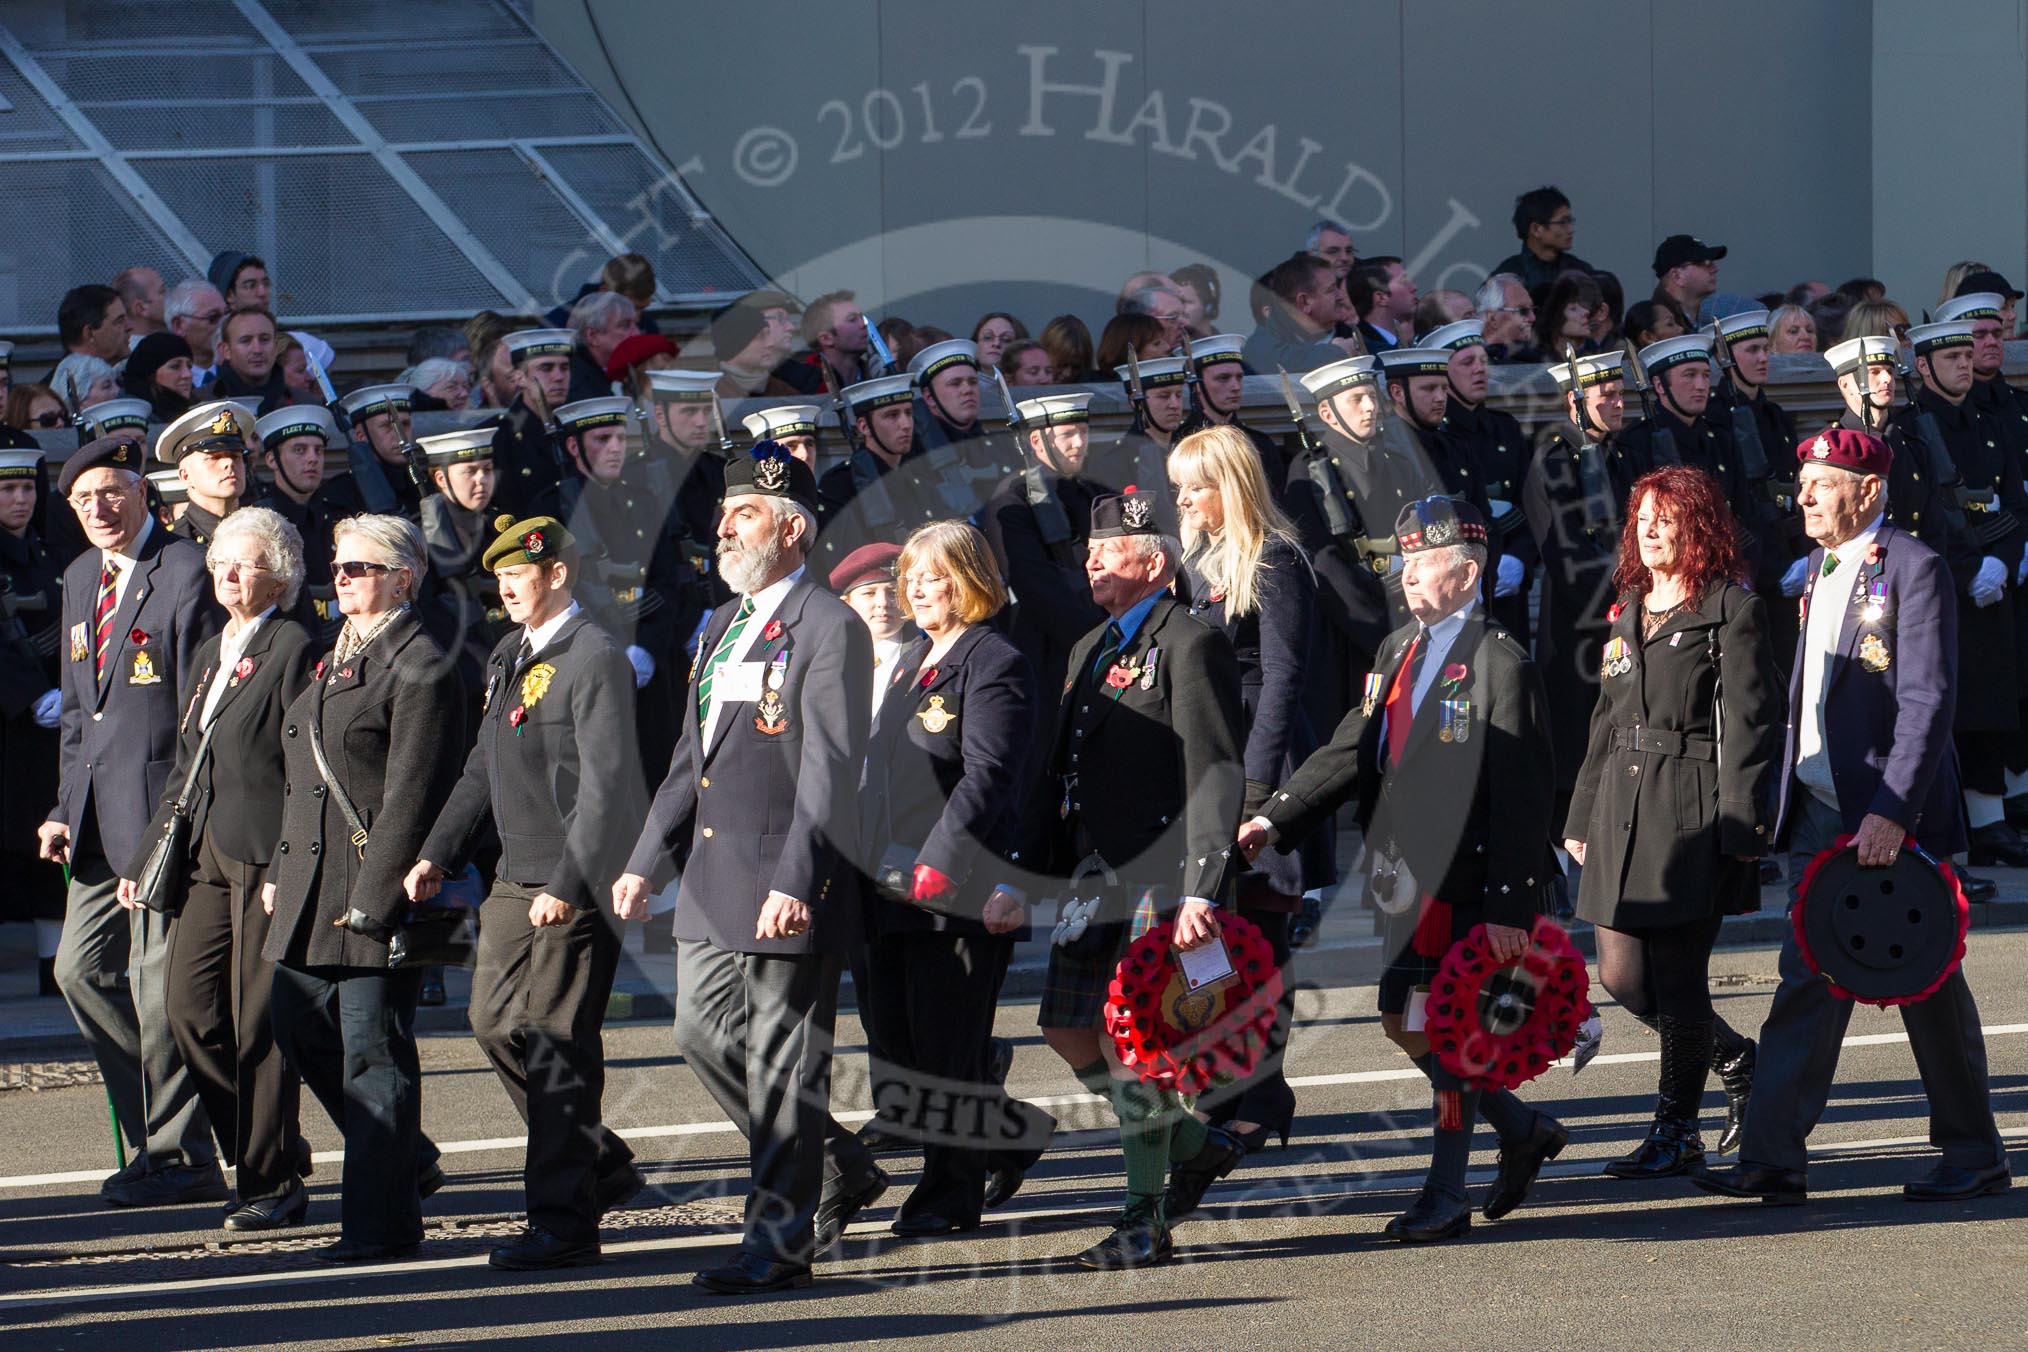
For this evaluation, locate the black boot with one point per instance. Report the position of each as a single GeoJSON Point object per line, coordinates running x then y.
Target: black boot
{"type": "Point", "coordinates": [1673, 1145]}
{"type": "Point", "coordinates": [1735, 1071]}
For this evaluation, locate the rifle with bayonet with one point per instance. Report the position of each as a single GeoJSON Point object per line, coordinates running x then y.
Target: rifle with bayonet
{"type": "Point", "coordinates": [1342, 517]}
{"type": "Point", "coordinates": [1150, 466]}
{"type": "Point", "coordinates": [1052, 523]}
{"type": "Point", "coordinates": [539, 403]}
{"type": "Point", "coordinates": [1594, 481]}
{"type": "Point", "coordinates": [1943, 467]}
{"type": "Point", "coordinates": [1776, 496]}
{"type": "Point", "coordinates": [879, 345]}
{"type": "Point", "coordinates": [1661, 441]}
{"type": "Point", "coordinates": [14, 631]}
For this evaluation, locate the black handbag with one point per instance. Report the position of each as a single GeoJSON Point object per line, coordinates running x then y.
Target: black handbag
{"type": "Point", "coordinates": [167, 869]}
{"type": "Point", "coordinates": [430, 933]}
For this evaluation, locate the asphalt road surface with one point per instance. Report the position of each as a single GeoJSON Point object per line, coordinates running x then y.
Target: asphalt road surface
{"type": "Point", "coordinates": [1286, 1254]}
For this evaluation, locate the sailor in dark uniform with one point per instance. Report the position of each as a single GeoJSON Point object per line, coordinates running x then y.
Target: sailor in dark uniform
{"type": "Point", "coordinates": [1141, 454]}
{"type": "Point", "coordinates": [381, 429]}
{"type": "Point", "coordinates": [462, 607]}
{"type": "Point", "coordinates": [526, 450]}
{"type": "Point", "coordinates": [947, 418]}
{"type": "Point", "coordinates": [294, 442]}
{"type": "Point", "coordinates": [1780, 546]}
{"type": "Point", "coordinates": [1217, 387]}
{"type": "Point", "coordinates": [31, 611]}
{"type": "Point", "coordinates": [1494, 442]}
{"type": "Point", "coordinates": [887, 486]}
{"type": "Point", "coordinates": [793, 427]}
{"type": "Point", "coordinates": [208, 447]}
{"type": "Point", "coordinates": [683, 453]}
{"type": "Point", "coordinates": [1680, 370]}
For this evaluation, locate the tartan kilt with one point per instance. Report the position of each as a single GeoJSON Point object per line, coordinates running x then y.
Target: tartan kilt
{"type": "Point", "coordinates": [1075, 990]}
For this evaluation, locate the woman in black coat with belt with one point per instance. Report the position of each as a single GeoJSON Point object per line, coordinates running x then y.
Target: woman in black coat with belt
{"type": "Point", "coordinates": [1675, 803]}
{"type": "Point", "coordinates": [387, 707]}
{"type": "Point", "coordinates": [220, 987]}
{"type": "Point", "coordinates": [1246, 574]}
{"type": "Point", "coordinates": [943, 779]}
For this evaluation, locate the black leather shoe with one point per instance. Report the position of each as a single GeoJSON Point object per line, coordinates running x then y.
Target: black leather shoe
{"type": "Point", "coordinates": [536, 1250]}
{"type": "Point", "coordinates": [927, 1224]}
{"type": "Point", "coordinates": [1429, 1219]}
{"type": "Point", "coordinates": [430, 1180]}
{"type": "Point", "coordinates": [126, 1174]}
{"type": "Point", "coordinates": [1191, 1179]}
{"type": "Point", "coordinates": [836, 1211]}
{"type": "Point", "coordinates": [431, 992]}
{"type": "Point", "coordinates": [2016, 809]}
{"type": "Point", "coordinates": [1997, 845]}
{"type": "Point", "coordinates": [1672, 1148]}
{"type": "Point", "coordinates": [1736, 1074]}
{"type": "Point", "coordinates": [1776, 1187]}
{"type": "Point", "coordinates": [1977, 889]}
{"type": "Point", "coordinates": [1140, 1238]}
{"type": "Point", "coordinates": [1002, 1184]}
{"type": "Point", "coordinates": [751, 1275]}
{"type": "Point", "coordinates": [271, 1213]}
{"type": "Point", "coordinates": [880, 1137]}
{"type": "Point", "coordinates": [612, 1191]}
{"type": "Point", "coordinates": [1520, 1164]}
{"type": "Point", "coordinates": [1000, 1062]}
{"type": "Point", "coordinates": [1950, 1183]}
{"type": "Point", "coordinates": [173, 1186]}
{"type": "Point", "coordinates": [350, 1251]}
{"type": "Point", "coordinates": [306, 1163]}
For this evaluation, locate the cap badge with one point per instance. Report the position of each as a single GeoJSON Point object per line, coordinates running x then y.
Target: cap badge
{"type": "Point", "coordinates": [1135, 513]}
{"type": "Point", "coordinates": [771, 475]}
{"type": "Point", "coordinates": [1820, 448]}
{"type": "Point", "coordinates": [222, 425]}
{"type": "Point", "coordinates": [1439, 532]}
{"type": "Point", "coordinates": [533, 545]}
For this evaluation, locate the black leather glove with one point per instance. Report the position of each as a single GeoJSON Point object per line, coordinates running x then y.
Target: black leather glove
{"type": "Point", "coordinates": [359, 922]}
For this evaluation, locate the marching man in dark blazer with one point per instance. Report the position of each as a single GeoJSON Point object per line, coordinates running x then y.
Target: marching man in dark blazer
{"type": "Point", "coordinates": [1141, 789]}
{"type": "Point", "coordinates": [553, 772]}
{"type": "Point", "coordinates": [764, 788]}
{"type": "Point", "coordinates": [1447, 756]}
{"type": "Point", "coordinates": [137, 606]}
{"type": "Point", "coordinates": [1868, 755]}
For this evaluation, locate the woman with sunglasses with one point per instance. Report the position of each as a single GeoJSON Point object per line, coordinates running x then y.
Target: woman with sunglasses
{"type": "Point", "coordinates": [35, 408]}
{"type": "Point", "coordinates": [372, 750]}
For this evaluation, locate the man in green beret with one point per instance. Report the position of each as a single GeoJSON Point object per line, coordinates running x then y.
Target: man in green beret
{"type": "Point", "coordinates": [553, 772]}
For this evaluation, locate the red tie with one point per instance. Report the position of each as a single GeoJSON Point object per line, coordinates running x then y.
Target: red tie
{"type": "Point", "coordinates": [1432, 937]}
{"type": "Point", "coordinates": [102, 627]}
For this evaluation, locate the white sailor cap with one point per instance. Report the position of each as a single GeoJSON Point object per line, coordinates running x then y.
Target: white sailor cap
{"type": "Point", "coordinates": [1739, 328]}
{"type": "Point", "coordinates": [169, 486]}
{"type": "Point", "coordinates": [783, 420]}
{"type": "Point", "coordinates": [1848, 356]}
{"type": "Point", "coordinates": [1218, 347]}
{"type": "Point", "coordinates": [525, 343]}
{"type": "Point", "coordinates": [221, 425]}
{"type": "Point", "coordinates": [879, 392]}
{"type": "Point", "coordinates": [460, 447]}
{"type": "Point", "coordinates": [6, 355]}
{"type": "Point", "coordinates": [1600, 368]}
{"type": "Point", "coordinates": [682, 385]}
{"type": "Point", "coordinates": [1155, 373]}
{"type": "Point", "coordinates": [118, 415]}
{"type": "Point", "coordinates": [939, 357]}
{"type": "Point", "coordinates": [1400, 363]}
{"type": "Point", "coordinates": [19, 464]}
{"type": "Point", "coordinates": [607, 410]}
{"type": "Point", "coordinates": [1659, 357]}
{"type": "Point", "coordinates": [1054, 410]}
{"type": "Point", "coordinates": [1340, 376]}
{"type": "Point", "coordinates": [1977, 305]}
{"type": "Point", "coordinates": [1929, 337]}
{"type": "Point", "coordinates": [1455, 336]}
{"type": "Point", "coordinates": [368, 400]}
{"type": "Point", "coordinates": [297, 420]}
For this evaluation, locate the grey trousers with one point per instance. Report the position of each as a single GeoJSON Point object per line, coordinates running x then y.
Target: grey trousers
{"type": "Point", "coordinates": [128, 1031]}
{"type": "Point", "coordinates": [1800, 1041]}
{"type": "Point", "coordinates": [757, 1030]}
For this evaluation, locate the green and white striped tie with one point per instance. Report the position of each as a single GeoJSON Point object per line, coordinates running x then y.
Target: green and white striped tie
{"type": "Point", "coordinates": [718, 656]}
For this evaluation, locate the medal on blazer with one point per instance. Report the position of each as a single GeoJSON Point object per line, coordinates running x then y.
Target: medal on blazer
{"type": "Point", "coordinates": [1456, 725]}
{"type": "Point", "coordinates": [1148, 668]}
{"type": "Point", "coordinates": [1617, 660]}
{"type": "Point", "coordinates": [80, 642]}
{"type": "Point", "coordinates": [1873, 654]}
{"type": "Point", "coordinates": [936, 718]}
{"type": "Point", "coordinates": [1376, 686]}
{"type": "Point", "coordinates": [144, 671]}
{"type": "Point", "coordinates": [770, 715]}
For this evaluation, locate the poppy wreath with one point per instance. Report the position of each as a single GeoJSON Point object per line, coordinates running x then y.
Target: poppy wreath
{"type": "Point", "coordinates": [1551, 967]}
{"type": "Point", "coordinates": [1951, 880]}
{"type": "Point", "coordinates": [1175, 1038]}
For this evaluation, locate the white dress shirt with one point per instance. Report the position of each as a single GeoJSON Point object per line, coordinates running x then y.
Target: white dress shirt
{"type": "Point", "coordinates": [540, 638]}
{"type": "Point", "coordinates": [124, 563]}
{"type": "Point", "coordinates": [231, 647]}
{"type": "Point", "coordinates": [766, 602]}
{"type": "Point", "coordinates": [886, 654]}
{"type": "Point", "coordinates": [1823, 637]}
{"type": "Point", "coordinates": [1437, 640]}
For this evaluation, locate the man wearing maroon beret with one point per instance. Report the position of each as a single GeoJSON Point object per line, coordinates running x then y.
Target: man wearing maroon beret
{"type": "Point", "coordinates": [1869, 755]}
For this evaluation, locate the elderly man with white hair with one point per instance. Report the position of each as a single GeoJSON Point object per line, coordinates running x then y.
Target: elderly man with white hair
{"type": "Point", "coordinates": [600, 323]}
{"type": "Point", "coordinates": [137, 609]}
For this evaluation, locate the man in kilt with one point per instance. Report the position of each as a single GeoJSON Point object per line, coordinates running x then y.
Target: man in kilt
{"type": "Point", "coordinates": [1137, 806]}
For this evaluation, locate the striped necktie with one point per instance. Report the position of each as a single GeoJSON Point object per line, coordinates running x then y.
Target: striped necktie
{"type": "Point", "coordinates": [102, 621]}
{"type": "Point", "coordinates": [718, 656]}
{"type": "Point", "coordinates": [1109, 648]}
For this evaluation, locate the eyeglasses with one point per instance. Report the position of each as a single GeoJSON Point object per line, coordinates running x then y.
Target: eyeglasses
{"type": "Point", "coordinates": [1561, 222]}
{"type": "Point", "coordinates": [1514, 310]}
{"type": "Point", "coordinates": [358, 568]}
{"type": "Point", "coordinates": [113, 498]}
{"type": "Point", "coordinates": [47, 420]}
{"type": "Point", "coordinates": [242, 565]}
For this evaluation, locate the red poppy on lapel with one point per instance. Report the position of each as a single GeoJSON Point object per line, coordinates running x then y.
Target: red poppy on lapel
{"type": "Point", "coordinates": [1873, 552]}
{"type": "Point", "coordinates": [516, 716]}
{"type": "Point", "coordinates": [1119, 678]}
{"type": "Point", "coordinates": [138, 637]}
{"type": "Point", "coordinates": [773, 631]}
{"type": "Point", "coordinates": [244, 669]}
{"type": "Point", "coordinates": [317, 672]}
{"type": "Point", "coordinates": [927, 677]}
{"type": "Point", "coordinates": [1613, 613]}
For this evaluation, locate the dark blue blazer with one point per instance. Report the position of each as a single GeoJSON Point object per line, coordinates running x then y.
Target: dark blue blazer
{"type": "Point", "coordinates": [1888, 731]}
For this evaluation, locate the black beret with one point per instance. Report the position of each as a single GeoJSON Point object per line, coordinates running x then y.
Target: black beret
{"type": "Point", "coordinates": [771, 471]}
{"type": "Point", "coordinates": [122, 450]}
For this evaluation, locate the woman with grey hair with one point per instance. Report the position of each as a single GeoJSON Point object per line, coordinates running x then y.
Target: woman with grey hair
{"type": "Point", "coordinates": [371, 751]}
{"type": "Point", "coordinates": [219, 989]}
{"type": "Point", "coordinates": [440, 383]}
{"type": "Point", "coordinates": [82, 380]}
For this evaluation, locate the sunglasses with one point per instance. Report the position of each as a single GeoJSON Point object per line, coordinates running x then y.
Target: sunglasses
{"type": "Point", "coordinates": [358, 568]}
{"type": "Point", "coordinates": [47, 420]}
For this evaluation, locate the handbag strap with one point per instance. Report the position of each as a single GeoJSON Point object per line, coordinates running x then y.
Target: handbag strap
{"type": "Point", "coordinates": [181, 807]}
{"type": "Point", "coordinates": [331, 781]}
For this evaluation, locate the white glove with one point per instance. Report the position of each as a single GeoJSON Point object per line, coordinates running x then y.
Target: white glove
{"type": "Point", "coordinates": [1508, 576]}
{"type": "Point", "coordinates": [644, 665]}
{"type": "Point", "coordinates": [48, 708]}
{"type": "Point", "coordinates": [1796, 578]}
{"type": "Point", "coordinates": [2021, 572]}
{"type": "Point", "coordinates": [1988, 582]}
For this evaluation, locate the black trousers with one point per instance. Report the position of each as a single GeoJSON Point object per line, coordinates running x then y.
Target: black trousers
{"type": "Point", "coordinates": [350, 1033]}
{"type": "Point", "coordinates": [219, 998]}
{"type": "Point", "coordinates": [930, 1004]}
{"type": "Point", "coordinates": [538, 1005]}
{"type": "Point", "coordinates": [1263, 1097]}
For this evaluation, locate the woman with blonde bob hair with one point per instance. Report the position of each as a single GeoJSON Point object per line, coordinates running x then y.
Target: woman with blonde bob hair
{"type": "Point", "coordinates": [1244, 572]}
{"type": "Point", "coordinates": [944, 771]}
